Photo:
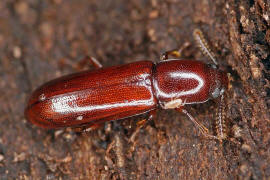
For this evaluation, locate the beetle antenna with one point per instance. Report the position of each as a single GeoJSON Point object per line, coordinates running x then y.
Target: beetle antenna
{"type": "Point", "coordinates": [202, 43]}
{"type": "Point", "coordinates": [220, 120]}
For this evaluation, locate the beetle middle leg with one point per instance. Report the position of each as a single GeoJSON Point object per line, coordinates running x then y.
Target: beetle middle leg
{"type": "Point", "coordinates": [151, 116]}
{"type": "Point", "coordinates": [201, 127]}
{"type": "Point", "coordinates": [142, 123]}
{"type": "Point", "coordinates": [177, 53]}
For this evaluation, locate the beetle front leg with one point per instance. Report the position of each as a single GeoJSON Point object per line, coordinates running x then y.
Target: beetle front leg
{"type": "Point", "coordinates": [201, 127]}
{"type": "Point", "coordinates": [177, 53]}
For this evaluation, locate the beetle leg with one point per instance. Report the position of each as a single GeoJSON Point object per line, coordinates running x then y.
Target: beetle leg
{"type": "Point", "coordinates": [88, 59]}
{"type": "Point", "coordinates": [92, 127]}
{"type": "Point", "coordinates": [141, 123]}
{"type": "Point", "coordinates": [177, 53]}
{"type": "Point", "coordinates": [95, 62]}
{"type": "Point", "coordinates": [201, 127]}
{"type": "Point", "coordinates": [152, 115]}
{"type": "Point", "coordinates": [87, 128]}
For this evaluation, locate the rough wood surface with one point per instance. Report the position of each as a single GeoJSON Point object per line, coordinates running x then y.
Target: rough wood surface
{"type": "Point", "coordinates": [41, 40]}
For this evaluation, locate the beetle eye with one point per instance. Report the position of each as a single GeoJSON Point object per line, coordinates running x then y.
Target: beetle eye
{"type": "Point", "coordinates": [216, 93]}
{"type": "Point", "coordinates": [212, 66]}
{"type": "Point", "coordinates": [222, 91]}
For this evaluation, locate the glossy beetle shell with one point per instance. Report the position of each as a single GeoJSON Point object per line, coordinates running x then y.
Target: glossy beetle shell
{"type": "Point", "coordinates": [93, 97]}
{"type": "Point", "coordinates": [191, 81]}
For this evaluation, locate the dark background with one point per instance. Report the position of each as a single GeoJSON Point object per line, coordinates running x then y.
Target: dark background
{"type": "Point", "coordinates": [41, 40]}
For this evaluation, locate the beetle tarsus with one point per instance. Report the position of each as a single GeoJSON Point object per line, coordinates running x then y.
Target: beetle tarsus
{"type": "Point", "coordinates": [87, 128]}
{"type": "Point", "coordinates": [92, 127]}
{"type": "Point", "coordinates": [151, 116]}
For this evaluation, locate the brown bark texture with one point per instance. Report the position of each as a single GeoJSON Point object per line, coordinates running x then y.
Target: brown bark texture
{"type": "Point", "coordinates": [41, 40]}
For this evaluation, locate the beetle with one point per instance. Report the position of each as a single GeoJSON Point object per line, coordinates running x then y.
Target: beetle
{"type": "Point", "coordinates": [90, 98]}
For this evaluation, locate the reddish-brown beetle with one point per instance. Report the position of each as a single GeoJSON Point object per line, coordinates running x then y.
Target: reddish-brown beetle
{"type": "Point", "coordinates": [89, 98]}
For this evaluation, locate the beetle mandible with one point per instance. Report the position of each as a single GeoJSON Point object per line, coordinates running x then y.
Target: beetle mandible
{"type": "Point", "coordinates": [90, 98]}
